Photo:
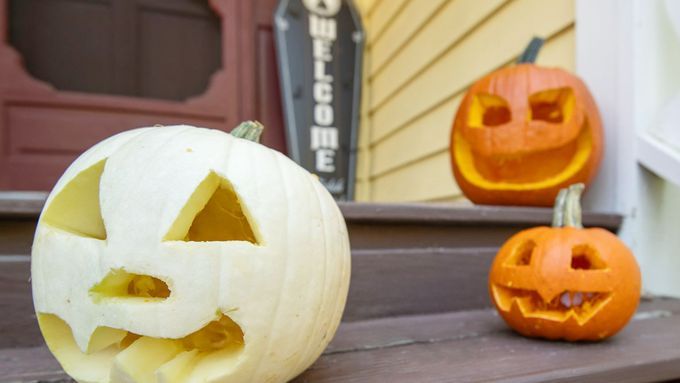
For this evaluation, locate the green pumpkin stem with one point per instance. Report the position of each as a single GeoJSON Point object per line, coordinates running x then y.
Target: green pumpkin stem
{"type": "Point", "coordinates": [567, 211]}
{"type": "Point", "coordinates": [531, 52]}
{"type": "Point", "coordinates": [249, 130]}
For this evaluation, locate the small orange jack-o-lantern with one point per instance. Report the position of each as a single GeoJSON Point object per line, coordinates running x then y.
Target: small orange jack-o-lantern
{"type": "Point", "coordinates": [524, 132]}
{"type": "Point", "coordinates": [181, 254]}
{"type": "Point", "coordinates": [565, 282]}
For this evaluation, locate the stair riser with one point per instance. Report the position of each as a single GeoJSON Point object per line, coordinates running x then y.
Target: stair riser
{"type": "Point", "coordinates": [384, 283]}
{"type": "Point", "coordinates": [414, 236]}
{"type": "Point", "coordinates": [16, 236]}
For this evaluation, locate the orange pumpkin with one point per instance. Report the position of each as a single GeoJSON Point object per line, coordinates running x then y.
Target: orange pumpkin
{"type": "Point", "coordinates": [524, 132]}
{"type": "Point", "coordinates": [565, 282]}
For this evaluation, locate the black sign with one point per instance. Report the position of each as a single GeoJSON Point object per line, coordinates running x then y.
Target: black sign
{"type": "Point", "coordinates": [319, 45]}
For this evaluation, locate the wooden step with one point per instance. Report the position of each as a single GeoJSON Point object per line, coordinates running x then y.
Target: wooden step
{"type": "Point", "coordinates": [406, 258]}
{"type": "Point", "coordinates": [417, 311]}
{"type": "Point", "coordinates": [463, 346]}
{"type": "Point", "coordinates": [370, 225]}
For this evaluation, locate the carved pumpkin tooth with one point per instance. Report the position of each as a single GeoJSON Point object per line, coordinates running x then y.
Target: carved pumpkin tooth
{"type": "Point", "coordinates": [565, 299]}
{"type": "Point", "coordinates": [578, 299]}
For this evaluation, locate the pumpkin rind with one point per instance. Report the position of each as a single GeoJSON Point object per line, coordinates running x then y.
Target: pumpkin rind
{"type": "Point", "coordinates": [517, 160]}
{"type": "Point", "coordinates": [274, 288]}
{"type": "Point", "coordinates": [565, 282]}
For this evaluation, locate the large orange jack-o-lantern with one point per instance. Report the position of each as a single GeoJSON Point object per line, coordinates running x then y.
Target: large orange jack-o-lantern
{"type": "Point", "coordinates": [180, 254]}
{"type": "Point", "coordinates": [565, 282]}
{"type": "Point", "coordinates": [524, 132]}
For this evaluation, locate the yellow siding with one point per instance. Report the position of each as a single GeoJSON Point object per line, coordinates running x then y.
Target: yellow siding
{"type": "Point", "coordinates": [421, 57]}
{"type": "Point", "coordinates": [365, 7]}
{"type": "Point", "coordinates": [385, 13]}
{"type": "Point", "coordinates": [415, 15]}
{"type": "Point", "coordinates": [362, 190]}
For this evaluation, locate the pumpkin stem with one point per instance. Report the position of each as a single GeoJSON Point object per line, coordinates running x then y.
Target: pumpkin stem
{"type": "Point", "coordinates": [558, 210]}
{"type": "Point", "coordinates": [531, 52]}
{"type": "Point", "coordinates": [572, 207]}
{"type": "Point", "coordinates": [249, 130]}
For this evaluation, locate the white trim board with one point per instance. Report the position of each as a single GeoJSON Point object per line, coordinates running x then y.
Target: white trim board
{"type": "Point", "coordinates": [625, 52]}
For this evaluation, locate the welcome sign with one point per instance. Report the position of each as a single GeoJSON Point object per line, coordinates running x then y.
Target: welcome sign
{"type": "Point", "coordinates": [319, 46]}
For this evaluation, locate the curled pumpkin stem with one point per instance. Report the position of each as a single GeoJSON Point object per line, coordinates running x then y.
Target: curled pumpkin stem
{"type": "Point", "coordinates": [249, 130]}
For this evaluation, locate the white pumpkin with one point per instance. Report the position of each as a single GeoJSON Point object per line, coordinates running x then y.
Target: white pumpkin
{"type": "Point", "coordinates": [182, 254]}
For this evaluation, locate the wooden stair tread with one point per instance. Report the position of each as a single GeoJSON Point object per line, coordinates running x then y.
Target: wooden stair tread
{"type": "Point", "coordinates": [443, 213]}
{"type": "Point", "coordinates": [21, 203]}
{"type": "Point", "coordinates": [477, 346]}
{"type": "Point", "coordinates": [460, 346]}
{"type": "Point", "coordinates": [30, 203]}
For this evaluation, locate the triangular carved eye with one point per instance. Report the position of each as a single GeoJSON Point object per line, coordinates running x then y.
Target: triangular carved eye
{"type": "Point", "coordinates": [213, 213]}
{"type": "Point", "coordinates": [76, 208]}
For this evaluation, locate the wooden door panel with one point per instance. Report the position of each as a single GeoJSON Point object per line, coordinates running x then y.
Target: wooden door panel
{"type": "Point", "coordinates": [50, 130]}
{"type": "Point", "coordinates": [42, 138]}
{"type": "Point", "coordinates": [158, 49]}
{"type": "Point", "coordinates": [51, 36]}
{"type": "Point", "coordinates": [189, 38]}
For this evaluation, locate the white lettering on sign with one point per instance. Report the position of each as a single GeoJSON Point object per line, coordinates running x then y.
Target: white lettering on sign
{"type": "Point", "coordinates": [322, 50]}
{"type": "Point", "coordinates": [324, 160]}
{"type": "Point", "coordinates": [324, 137]}
{"type": "Point", "coordinates": [323, 92]}
{"type": "Point", "coordinates": [322, 28]}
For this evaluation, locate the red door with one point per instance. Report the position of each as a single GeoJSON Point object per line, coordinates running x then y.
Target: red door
{"type": "Point", "coordinates": [75, 72]}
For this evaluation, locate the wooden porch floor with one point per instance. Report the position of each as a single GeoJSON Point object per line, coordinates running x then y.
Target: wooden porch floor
{"type": "Point", "coordinates": [464, 346]}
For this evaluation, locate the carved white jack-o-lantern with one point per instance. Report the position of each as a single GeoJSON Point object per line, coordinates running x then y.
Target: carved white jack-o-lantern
{"type": "Point", "coordinates": [180, 254]}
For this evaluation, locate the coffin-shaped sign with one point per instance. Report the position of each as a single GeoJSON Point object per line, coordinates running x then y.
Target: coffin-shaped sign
{"type": "Point", "coordinates": [319, 47]}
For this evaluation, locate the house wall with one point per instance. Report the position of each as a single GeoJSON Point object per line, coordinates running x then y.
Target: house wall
{"type": "Point", "coordinates": [628, 53]}
{"type": "Point", "coordinates": [421, 56]}
{"type": "Point", "coordinates": [653, 227]}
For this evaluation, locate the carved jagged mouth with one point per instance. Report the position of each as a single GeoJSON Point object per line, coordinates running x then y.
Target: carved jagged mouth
{"type": "Point", "coordinates": [527, 167]}
{"type": "Point", "coordinates": [132, 357]}
{"type": "Point", "coordinates": [528, 171]}
{"type": "Point", "coordinates": [580, 305]}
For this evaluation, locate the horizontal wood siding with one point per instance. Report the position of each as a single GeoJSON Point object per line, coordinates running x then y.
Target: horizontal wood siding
{"type": "Point", "coordinates": [421, 57]}
{"type": "Point", "coordinates": [363, 172]}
